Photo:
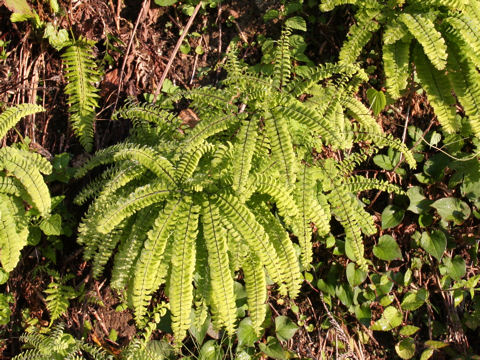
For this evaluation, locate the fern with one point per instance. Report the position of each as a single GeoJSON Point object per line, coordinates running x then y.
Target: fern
{"type": "Point", "coordinates": [82, 74]}
{"type": "Point", "coordinates": [20, 180]}
{"type": "Point", "coordinates": [58, 345]}
{"type": "Point", "coordinates": [190, 209]}
{"type": "Point", "coordinates": [417, 32]}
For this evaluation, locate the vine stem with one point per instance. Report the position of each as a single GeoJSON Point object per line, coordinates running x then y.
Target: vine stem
{"type": "Point", "coordinates": [175, 50]}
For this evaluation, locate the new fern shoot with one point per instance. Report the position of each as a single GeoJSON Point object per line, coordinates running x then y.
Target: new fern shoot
{"type": "Point", "coordinates": [189, 209]}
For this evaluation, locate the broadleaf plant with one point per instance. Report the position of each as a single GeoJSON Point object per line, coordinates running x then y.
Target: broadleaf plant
{"type": "Point", "coordinates": [189, 207]}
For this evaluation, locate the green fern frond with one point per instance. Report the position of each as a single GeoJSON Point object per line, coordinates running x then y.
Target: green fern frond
{"type": "Point", "coordinates": [281, 144]}
{"type": "Point", "coordinates": [31, 179]}
{"type": "Point", "coordinates": [81, 73]}
{"type": "Point", "coordinates": [283, 245]}
{"type": "Point", "coordinates": [189, 161]}
{"type": "Point", "coordinates": [244, 150]}
{"type": "Point", "coordinates": [125, 207]}
{"type": "Point", "coordinates": [221, 280]}
{"type": "Point", "coordinates": [151, 257]}
{"type": "Point", "coordinates": [465, 81]}
{"type": "Point", "coordinates": [183, 265]}
{"type": "Point", "coordinates": [358, 36]}
{"type": "Point", "coordinates": [256, 288]}
{"type": "Point", "coordinates": [329, 5]}
{"type": "Point", "coordinates": [10, 242]}
{"type": "Point", "coordinates": [395, 31]}
{"type": "Point", "coordinates": [396, 61]}
{"type": "Point", "coordinates": [362, 114]}
{"type": "Point", "coordinates": [58, 299]}
{"type": "Point", "coordinates": [10, 117]}
{"type": "Point", "coordinates": [10, 186]}
{"type": "Point", "coordinates": [282, 64]}
{"type": "Point", "coordinates": [423, 29]}
{"type": "Point", "coordinates": [437, 86]}
{"type": "Point", "coordinates": [244, 227]}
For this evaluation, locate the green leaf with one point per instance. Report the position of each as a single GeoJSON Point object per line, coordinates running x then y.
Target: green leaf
{"type": "Point", "coordinates": [392, 215]}
{"type": "Point", "coordinates": [426, 354]}
{"type": "Point", "coordinates": [456, 267]}
{"type": "Point", "coordinates": [433, 344]}
{"type": "Point", "coordinates": [52, 225]}
{"type": "Point", "coordinates": [210, 351]}
{"type": "Point", "coordinates": [408, 330]}
{"type": "Point", "coordinates": [387, 249]}
{"type": "Point", "coordinates": [405, 348]}
{"type": "Point", "coordinates": [273, 349]}
{"type": "Point", "coordinates": [377, 100]}
{"type": "Point", "coordinates": [297, 23]}
{"type": "Point", "coordinates": [391, 318]}
{"type": "Point", "coordinates": [165, 2]}
{"type": "Point", "coordinates": [355, 276]}
{"type": "Point", "coordinates": [418, 202]}
{"type": "Point", "coordinates": [3, 276]}
{"type": "Point", "coordinates": [285, 328]}
{"type": "Point", "coordinates": [414, 299]}
{"type": "Point", "coordinates": [384, 161]}
{"type": "Point", "coordinates": [452, 209]}
{"type": "Point", "coordinates": [246, 333]}
{"type": "Point", "coordinates": [434, 243]}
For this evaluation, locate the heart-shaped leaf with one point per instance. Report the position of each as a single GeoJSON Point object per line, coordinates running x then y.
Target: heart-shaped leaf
{"type": "Point", "coordinates": [405, 348]}
{"type": "Point", "coordinates": [452, 209]}
{"type": "Point", "coordinates": [377, 100]}
{"type": "Point", "coordinates": [391, 318]}
{"type": "Point", "coordinates": [285, 328]}
{"type": "Point", "coordinates": [355, 276]}
{"type": "Point", "coordinates": [387, 249]}
{"type": "Point", "coordinates": [434, 243]}
{"type": "Point", "coordinates": [414, 299]}
{"type": "Point", "coordinates": [392, 215]}
{"type": "Point", "coordinates": [456, 267]}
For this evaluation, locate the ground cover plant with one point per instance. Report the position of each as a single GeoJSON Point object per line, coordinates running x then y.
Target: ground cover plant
{"type": "Point", "coordinates": [252, 206]}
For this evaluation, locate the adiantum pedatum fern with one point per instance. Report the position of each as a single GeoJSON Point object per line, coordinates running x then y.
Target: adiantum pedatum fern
{"type": "Point", "coordinates": [21, 182]}
{"type": "Point", "coordinates": [188, 208]}
{"type": "Point", "coordinates": [440, 37]}
{"type": "Point", "coordinates": [58, 345]}
{"type": "Point", "coordinates": [82, 74]}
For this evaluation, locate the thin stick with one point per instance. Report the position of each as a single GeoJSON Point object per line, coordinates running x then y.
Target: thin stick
{"type": "Point", "coordinates": [177, 47]}
{"type": "Point", "coordinates": [129, 47]}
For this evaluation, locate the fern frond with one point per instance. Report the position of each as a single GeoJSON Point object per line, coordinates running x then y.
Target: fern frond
{"type": "Point", "coordinates": [362, 114]}
{"type": "Point", "coordinates": [395, 31]}
{"type": "Point", "coordinates": [465, 81]}
{"type": "Point", "coordinates": [282, 244]}
{"type": "Point", "coordinates": [10, 242]}
{"type": "Point", "coordinates": [183, 265]}
{"type": "Point", "coordinates": [281, 144]}
{"type": "Point", "coordinates": [396, 59]}
{"type": "Point", "coordinates": [129, 250]}
{"type": "Point", "coordinates": [244, 150]}
{"type": "Point", "coordinates": [282, 64]}
{"type": "Point", "coordinates": [329, 5]}
{"type": "Point", "coordinates": [437, 86]}
{"type": "Point", "coordinates": [31, 179]}
{"type": "Point", "coordinates": [58, 299]}
{"type": "Point", "coordinates": [10, 186]}
{"type": "Point", "coordinates": [467, 29]}
{"type": "Point", "coordinates": [358, 36]}
{"type": "Point", "coordinates": [10, 117]}
{"type": "Point", "coordinates": [81, 73]}
{"type": "Point", "coordinates": [189, 161]}
{"type": "Point", "coordinates": [244, 227]}
{"type": "Point", "coordinates": [310, 212]}
{"type": "Point", "coordinates": [256, 288]}
{"type": "Point", "coordinates": [152, 256]}
{"type": "Point", "coordinates": [220, 277]}
{"type": "Point", "coordinates": [124, 207]}
{"type": "Point", "coordinates": [423, 29]}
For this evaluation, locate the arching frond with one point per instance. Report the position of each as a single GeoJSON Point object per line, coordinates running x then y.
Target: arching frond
{"type": "Point", "coordinates": [423, 29]}
{"type": "Point", "coordinates": [183, 265]}
{"type": "Point", "coordinates": [10, 117]}
{"type": "Point", "coordinates": [396, 61]}
{"type": "Point", "coordinates": [255, 285]}
{"type": "Point", "coordinates": [437, 86]}
{"type": "Point", "coordinates": [81, 73]}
